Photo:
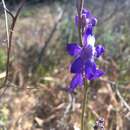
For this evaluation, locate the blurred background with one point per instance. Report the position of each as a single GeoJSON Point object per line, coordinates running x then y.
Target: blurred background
{"type": "Point", "coordinates": [36, 97]}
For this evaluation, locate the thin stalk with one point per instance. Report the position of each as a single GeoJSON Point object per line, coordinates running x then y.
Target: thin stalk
{"type": "Point", "coordinates": [84, 103]}
{"type": "Point", "coordinates": [6, 22]}
{"type": "Point", "coordinates": [14, 19]}
{"type": "Point", "coordinates": [10, 37]}
{"type": "Point", "coordinates": [79, 10]}
{"type": "Point", "coordinates": [80, 4]}
{"type": "Point", "coordinates": [86, 107]}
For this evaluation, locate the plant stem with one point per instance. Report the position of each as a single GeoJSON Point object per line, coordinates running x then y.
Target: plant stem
{"type": "Point", "coordinates": [79, 10]}
{"type": "Point", "coordinates": [10, 37]}
{"type": "Point", "coordinates": [80, 4]}
{"type": "Point", "coordinates": [84, 104]}
{"type": "Point", "coordinates": [6, 22]}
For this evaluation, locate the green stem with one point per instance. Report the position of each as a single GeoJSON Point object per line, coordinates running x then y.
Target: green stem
{"type": "Point", "coordinates": [84, 103]}
{"type": "Point", "coordinates": [79, 9]}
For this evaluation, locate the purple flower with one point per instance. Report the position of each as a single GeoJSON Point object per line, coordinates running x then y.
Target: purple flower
{"type": "Point", "coordinates": [84, 64]}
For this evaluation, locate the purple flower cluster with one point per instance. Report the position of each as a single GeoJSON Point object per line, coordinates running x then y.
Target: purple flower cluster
{"type": "Point", "coordinates": [87, 20]}
{"type": "Point", "coordinates": [84, 64]}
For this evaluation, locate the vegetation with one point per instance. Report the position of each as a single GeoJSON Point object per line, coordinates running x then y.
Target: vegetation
{"type": "Point", "coordinates": [36, 96]}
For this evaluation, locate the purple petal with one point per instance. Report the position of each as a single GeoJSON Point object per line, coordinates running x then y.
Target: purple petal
{"type": "Point", "coordinates": [77, 66]}
{"type": "Point", "coordinates": [87, 13]}
{"type": "Point", "coordinates": [77, 80]}
{"type": "Point", "coordinates": [92, 72]}
{"type": "Point", "coordinates": [90, 69]}
{"type": "Point", "coordinates": [89, 30]}
{"type": "Point", "coordinates": [73, 49]}
{"type": "Point", "coordinates": [87, 53]}
{"type": "Point", "coordinates": [99, 73]}
{"type": "Point", "coordinates": [94, 21]}
{"type": "Point", "coordinates": [99, 50]}
{"type": "Point", "coordinates": [85, 39]}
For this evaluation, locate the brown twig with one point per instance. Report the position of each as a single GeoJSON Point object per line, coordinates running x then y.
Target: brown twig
{"type": "Point", "coordinates": [10, 41]}
{"type": "Point", "coordinates": [9, 12]}
{"type": "Point", "coordinates": [10, 37]}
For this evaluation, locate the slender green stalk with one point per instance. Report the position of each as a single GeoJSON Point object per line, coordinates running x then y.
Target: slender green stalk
{"type": "Point", "coordinates": [79, 10]}
{"type": "Point", "coordinates": [84, 103]}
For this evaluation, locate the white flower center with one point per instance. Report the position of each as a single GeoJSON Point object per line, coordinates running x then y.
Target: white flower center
{"type": "Point", "coordinates": [91, 40]}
